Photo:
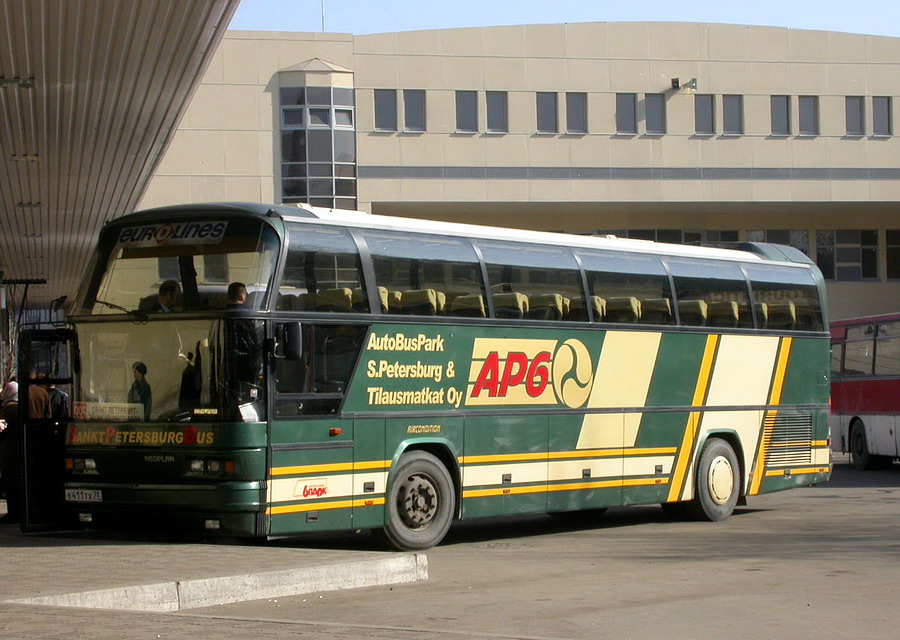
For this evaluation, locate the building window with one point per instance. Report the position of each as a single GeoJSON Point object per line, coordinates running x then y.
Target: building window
{"type": "Point", "coordinates": [854, 113]}
{"type": "Point", "coordinates": [781, 115]}
{"type": "Point", "coordinates": [576, 113]}
{"type": "Point", "coordinates": [385, 110]}
{"type": "Point", "coordinates": [655, 113]}
{"type": "Point", "coordinates": [547, 118]}
{"type": "Point", "coordinates": [467, 111]}
{"type": "Point", "coordinates": [497, 111]}
{"type": "Point", "coordinates": [733, 115]}
{"type": "Point", "coordinates": [881, 116]}
{"type": "Point", "coordinates": [797, 238]}
{"type": "Point", "coordinates": [704, 115]}
{"type": "Point", "coordinates": [809, 115]}
{"type": "Point", "coordinates": [318, 145]}
{"type": "Point", "coordinates": [847, 254]}
{"type": "Point", "coordinates": [414, 110]}
{"type": "Point", "coordinates": [674, 236]}
{"type": "Point", "coordinates": [626, 113]}
{"type": "Point", "coordinates": [893, 253]}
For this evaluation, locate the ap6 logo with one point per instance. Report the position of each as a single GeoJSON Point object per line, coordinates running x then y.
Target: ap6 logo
{"type": "Point", "coordinates": [512, 371]}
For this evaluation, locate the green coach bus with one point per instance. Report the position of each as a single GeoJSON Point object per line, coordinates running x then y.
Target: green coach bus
{"type": "Point", "coordinates": [261, 371]}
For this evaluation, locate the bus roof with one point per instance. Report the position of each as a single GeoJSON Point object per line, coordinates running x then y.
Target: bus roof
{"type": "Point", "coordinates": [874, 319]}
{"type": "Point", "coordinates": [746, 251]}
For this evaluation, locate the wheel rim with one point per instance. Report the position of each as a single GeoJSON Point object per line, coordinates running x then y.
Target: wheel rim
{"type": "Point", "coordinates": [720, 480]}
{"type": "Point", "coordinates": [417, 501]}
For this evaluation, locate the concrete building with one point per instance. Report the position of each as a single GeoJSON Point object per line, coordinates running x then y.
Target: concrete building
{"type": "Point", "coordinates": [673, 132]}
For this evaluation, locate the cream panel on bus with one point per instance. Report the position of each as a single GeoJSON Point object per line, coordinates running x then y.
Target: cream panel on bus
{"type": "Point", "coordinates": [493, 474]}
{"type": "Point", "coordinates": [623, 376]}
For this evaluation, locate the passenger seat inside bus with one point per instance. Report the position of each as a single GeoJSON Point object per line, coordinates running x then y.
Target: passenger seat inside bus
{"type": "Point", "coordinates": [468, 306]}
{"type": "Point", "coordinates": [510, 305]}
{"type": "Point", "coordinates": [723, 314]}
{"type": "Point", "coordinates": [546, 306]}
{"type": "Point", "coordinates": [337, 300]}
{"type": "Point", "coordinates": [782, 315]}
{"type": "Point", "coordinates": [578, 312]}
{"type": "Point", "coordinates": [693, 313]}
{"type": "Point", "coordinates": [419, 302]}
{"type": "Point", "coordinates": [623, 309]}
{"type": "Point", "coordinates": [656, 311]}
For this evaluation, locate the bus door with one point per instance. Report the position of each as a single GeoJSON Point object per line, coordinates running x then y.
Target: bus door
{"type": "Point", "coordinates": [45, 368]}
{"type": "Point", "coordinates": [311, 455]}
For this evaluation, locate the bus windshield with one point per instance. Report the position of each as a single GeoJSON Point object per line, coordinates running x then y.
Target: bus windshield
{"type": "Point", "coordinates": [180, 266]}
{"type": "Point", "coordinates": [182, 371]}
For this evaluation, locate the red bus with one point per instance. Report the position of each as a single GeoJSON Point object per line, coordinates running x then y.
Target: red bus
{"type": "Point", "coordinates": [865, 389]}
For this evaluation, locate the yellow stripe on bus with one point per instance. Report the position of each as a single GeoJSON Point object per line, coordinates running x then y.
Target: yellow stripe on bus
{"type": "Point", "coordinates": [784, 353]}
{"type": "Point", "coordinates": [324, 506]}
{"type": "Point", "coordinates": [575, 486]}
{"type": "Point", "coordinates": [685, 452]}
{"type": "Point", "coordinates": [775, 473]}
{"type": "Point", "coordinates": [330, 468]}
{"type": "Point", "coordinates": [568, 455]}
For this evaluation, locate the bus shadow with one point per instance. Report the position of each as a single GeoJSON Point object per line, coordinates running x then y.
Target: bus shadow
{"type": "Point", "coordinates": [846, 476]}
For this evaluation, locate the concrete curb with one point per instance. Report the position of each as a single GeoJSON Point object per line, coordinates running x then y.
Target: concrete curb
{"type": "Point", "coordinates": [205, 592]}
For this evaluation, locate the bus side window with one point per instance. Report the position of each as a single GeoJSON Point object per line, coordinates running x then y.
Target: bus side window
{"type": "Point", "coordinates": [628, 287]}
{"type": "Point", "coordinates": [859, 351]}
{"type": "Point", "coordinates": [423, 275]}
{"type": "Point", "coordinates": [537, 282]}
{"type": "Point", "coordinates": [322, 273]}
{"type": "Point", "coordinates": [711, 293]}
{"type": "Point", "coordinates": [315, 384]}
{"type": "Point", "coordinates": [887, 353]}
{"type": "Point", "coordinates": [837, 354]}
{"type": "Point", "coordinates": [789, 295]}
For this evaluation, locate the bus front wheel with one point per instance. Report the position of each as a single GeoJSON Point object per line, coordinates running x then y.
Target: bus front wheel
{"type": "Point", "coordinates": [718, 482]}
{"type": "Point", "coordinates": [419, 504]}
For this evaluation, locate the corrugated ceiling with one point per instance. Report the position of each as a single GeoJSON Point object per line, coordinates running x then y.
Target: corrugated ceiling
{"type": "Point", "coordinates": [90, 93]}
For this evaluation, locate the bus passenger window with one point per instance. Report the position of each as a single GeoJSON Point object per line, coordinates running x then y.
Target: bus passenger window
{"type": "Point", "coordinates": [887, 355]}
{"type": "Point", "coordinates": [837, 353]}
{"type": "Point", "coordinates": [322, 273]}
{"type": "Point", "coordinates": [787, 297]}
{"type": "Point", "coordinates": [422, 275]}
{"type": "Point", "coordinates": [859, 351]}
{"type": "Point", "coordinates": [628, 287]}
{"type": "Point", "coordinates": [711, 293]}
{"type": "Point", "coordinates": [534, 282]}
{"type": "Point", "coordinates": [315, 384]}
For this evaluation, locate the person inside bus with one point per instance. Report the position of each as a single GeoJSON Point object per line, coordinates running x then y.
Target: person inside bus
{"type": "Point", "coordinates": [237, 295]}
{"type": "Point", "coordinates": [163, 301]}
{"type": "Point", "coordinates": [140, 388]}
{"type": "Point", "coordinates": [38, 398]}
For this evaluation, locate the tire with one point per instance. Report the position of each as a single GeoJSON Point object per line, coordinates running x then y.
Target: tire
{"type": "Point", "coordinates": [420, 503]}
{"type": "Point", "coordinates": [859, 450]}
{"type": "Point", "coordinates": [718, 482]}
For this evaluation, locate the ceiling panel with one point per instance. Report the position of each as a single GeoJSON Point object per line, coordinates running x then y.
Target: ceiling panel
{"type": "Point", "coordinates": [91, 92]}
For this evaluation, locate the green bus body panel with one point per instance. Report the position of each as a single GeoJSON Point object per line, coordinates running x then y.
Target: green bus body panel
{"type": "Point", "coordinates": [144, 472]}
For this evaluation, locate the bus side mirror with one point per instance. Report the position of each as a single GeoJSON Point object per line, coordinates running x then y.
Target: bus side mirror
{"type": "Point", "coordinates": [293, 341]}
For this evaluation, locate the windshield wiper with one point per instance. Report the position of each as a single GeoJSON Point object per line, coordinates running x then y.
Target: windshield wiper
{"type": "Point", "coordinates": [131, 312]}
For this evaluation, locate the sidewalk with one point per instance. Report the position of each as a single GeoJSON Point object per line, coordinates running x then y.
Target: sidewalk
{"type": "Point", "coordinates": [126, 571]}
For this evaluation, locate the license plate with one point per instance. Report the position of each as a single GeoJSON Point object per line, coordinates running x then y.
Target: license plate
{"type": "Point", "coordinates": [84, 495]}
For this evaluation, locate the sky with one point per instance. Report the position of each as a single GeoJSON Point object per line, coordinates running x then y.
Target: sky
{"type": "Point", "coordinates": [874, 17]}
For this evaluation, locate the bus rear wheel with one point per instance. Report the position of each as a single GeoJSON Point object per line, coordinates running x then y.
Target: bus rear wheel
{"type": "Point", "coordinates": [420, 503]}
{"type": "Point", "coordinates": [859, 450]}
{"type": "Point", "coordinates": [718, 482]}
